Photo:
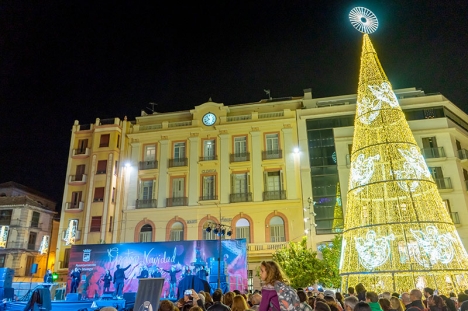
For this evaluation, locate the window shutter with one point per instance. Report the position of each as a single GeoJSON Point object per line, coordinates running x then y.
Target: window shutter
{"type": "Point", "coordinates": [281, 180]}
{"type": "Point", "coordinates": [247, 182]}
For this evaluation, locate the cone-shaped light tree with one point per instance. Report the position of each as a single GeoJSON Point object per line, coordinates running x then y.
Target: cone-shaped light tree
{"type": "Point", "coordinates": [398, 235]}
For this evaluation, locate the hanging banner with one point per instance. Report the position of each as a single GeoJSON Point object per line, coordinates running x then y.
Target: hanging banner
{"type": "Point", "coordinates": [44, 247]}
{"type": "Point", "coordinates": [4, 231]}
{"type": "Point", "coordinates": [70, 234]}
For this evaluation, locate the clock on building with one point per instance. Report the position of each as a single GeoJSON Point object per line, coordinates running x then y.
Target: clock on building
{"type": "Point", "coordinates": [209, 119]}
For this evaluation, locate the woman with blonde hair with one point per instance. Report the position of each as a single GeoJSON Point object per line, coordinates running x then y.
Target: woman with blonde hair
{"type": "Point", "coordinates": [239, 304]}
{"type": "Point", "coordinates": [396, 304]}
{"type": "Point", "coordinates": [228, 298]}
{"type": "Point", "coordinates": [270, 272]}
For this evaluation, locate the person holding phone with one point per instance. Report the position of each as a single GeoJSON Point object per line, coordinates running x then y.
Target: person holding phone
{"type": "Point", "coordinates": [190, 299]}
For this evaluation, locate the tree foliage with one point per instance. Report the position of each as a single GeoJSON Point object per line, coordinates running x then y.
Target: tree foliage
{"type": "Point", "coordinates": [331, 255]}
{"type": "Point", "coordinates": [304, 268]}
{"type": "Point", "coordinates": [300, 264]}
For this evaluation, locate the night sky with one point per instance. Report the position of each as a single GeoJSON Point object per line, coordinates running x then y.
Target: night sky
{"type": "Point", "coordinates": [79, 60]}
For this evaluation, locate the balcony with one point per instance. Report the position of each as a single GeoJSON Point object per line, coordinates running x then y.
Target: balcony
{"type": "Point", "coordinates": [444, 183]}
{"type": "Point", "coordinates": [98, 199]}
{"type": "Point", "coordinates": [462, 154]}
{"type": "Point", "coordinates": [272, 154]}
{"type": "Point", "coordinates": [209, 158]}
{"type": "Point", "coordinates": [455, 218]}
{"type": "Point", "coordinates": [208, 197]}
{"type": "Point", "coordinates": [263, 251]}
{"type": "Point", "coordinates": [240, 197]}
{"type": "Point", "coordinates": [74, 207]}
{"type": "Point", "coordinates": [80, 153]}
{"type": "Point", "coordinates": [150, 203]}
{"type": "Point", "coordinates": [32, 246]}
{"type": "Point", "coordinates": [101, 172]}
{"type": "Point", "coordinates": [178, 162]}
{"type": "Point", "coordinates": [77, 179]}
{"type": "Point", "coordinates": [182, 201]}
{"type": "Point", "coordinates": [274, 195]}
{"type": "Point", "coordinates": [240, 157]}
{"type": "Point", "coordinates": [147, 165]}
{"type": "Point", "coordinates": [432, 153]}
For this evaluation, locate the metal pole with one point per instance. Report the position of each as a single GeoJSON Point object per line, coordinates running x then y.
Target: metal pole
{"type": "Point", "coordinates": [219, 257]}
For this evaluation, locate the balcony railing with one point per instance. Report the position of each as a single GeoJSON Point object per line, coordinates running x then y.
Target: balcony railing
{"type": "Point", "coordinates": [431, 153]}
{"type": "Point", "coordinates": [255, 247]}
{"type": "Point", "coordinates": [77, 178]}
{"type": "Point", "coordinates": [182, 201]}
{"type": "Point", "coordinates": [31, 246]}
{"type": "Point", "coordinates": [240, 197]}
{"type": "Point", "coordinates": [455, 218]}
{"type": "Point", "coordinates": [178, 162]}
{"type": "Point", "coordinates": [272, 154]}
{"type": "Point", "coordinates": [150, 203]}
{"type": "Point", "coordinates": [209, 158]}
{"type": "Point", "coordinates": [74, 206]}
{"type": "Point", "coordinates": [208, 197]}
{"type": "Point", "coordinates": [462, 154]}
{"type": "Point", "coordinates": [100, 172]}
{"type": "Point", "coordinates": [274, 195]}
{"type": "Point", "coordinates": [443, 183]}
{"type": "Point", "coordinates": [240, 157]}
{"type": "Point", "coordinates": [148, 165]}
{"type": "Point", "coordinates": [80, 152]}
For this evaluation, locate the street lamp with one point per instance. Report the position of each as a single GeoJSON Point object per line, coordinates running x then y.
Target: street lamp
{"type": "Point", "coordinates": [220, 230]}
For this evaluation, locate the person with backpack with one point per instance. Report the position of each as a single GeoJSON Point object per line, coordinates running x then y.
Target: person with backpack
{"type": "Point", "coordinates": [276, 294]}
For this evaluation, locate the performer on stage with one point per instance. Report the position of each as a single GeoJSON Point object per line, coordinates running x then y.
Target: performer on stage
{"type": "Point", "coordinates": [156, 273]}
{"type": "Point", "coordinates": [107, 279]}
{"type": "Point", "coordinates": [76, 279]}
{"type": "Point", "coordinates": [119, 280]}
{"type": "Point", "coordinates": [187, 272]}
{"type": "Point", "coordinates": [144, 274]}
{"type": "Point", "coordinates": [202, 273]}
{"type": "Point", "coordinates": [48, 277]}
{"type": "Point", "coordinates": [173, 281]}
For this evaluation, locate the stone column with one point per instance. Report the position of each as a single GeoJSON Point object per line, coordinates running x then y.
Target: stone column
{"type": "Point", "coordinates": [257, 171]}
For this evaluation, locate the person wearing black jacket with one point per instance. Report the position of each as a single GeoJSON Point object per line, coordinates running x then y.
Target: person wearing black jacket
{"type": "Point", "coordinates": [173, 281]}
{"type": "Point", "coordinates": [75, 280]}
{"type": "Point", "coordinates": [107, 279]}
{"type": "Point", "coordinates": [48, 277]}
{"type": "Point", "coordinates": [119, 280]}
{"type": "Point", "coordinates": [416, 301]}
{"type": "Point", "coordinates": [217, 305]}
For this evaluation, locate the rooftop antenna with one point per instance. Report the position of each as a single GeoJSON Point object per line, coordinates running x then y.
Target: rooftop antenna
{"type": "Point", "coordinates": [152, 107]}
{"type": "Point", "coordinates": [268, 93]}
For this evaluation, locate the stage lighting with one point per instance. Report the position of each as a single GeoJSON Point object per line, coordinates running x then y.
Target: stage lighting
{"type": "Point", "coordinates": [223, 232]}
{"type": "Point", "coordinates": [208, 229]}
{"type": "Point", "coordinates": [215, 231]}
{"type": "Point", "coordinates": [229, 233]}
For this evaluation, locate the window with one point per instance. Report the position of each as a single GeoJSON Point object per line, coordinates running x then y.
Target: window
{"type": "Point", "coordinates": [274, 186]}
{"type": "Point", "coordinates": [240, 145]}
{"type": "Point", "coordinates": [95, 224]}
{"type": "Point", "coordinates": [101, 167]}
{"type": "Point", "coordinates": [118, 141]}
{"type": "Point", "coordinates": [146, 190]}
{"type": "Point", "coordinates": [240, 188]}
{"type": "Point", "coordinates": [208, 235]}
{"type": "Point", "coordinates": [447, 206]}
{"type": "Point", "coordinates": [209, 187]}
{"type": "Point", "coordinates": [146, 233]}
{"type": "Point", "coordinates": [104, 141]}
{"type": "Point", "coordinates": [111, 223]}
{"type": "Point", "coordinates": [271, 141]}
{"type": "Point", "coordinates": [32, 240]}
{"type": "Point", "coordinates": [243, 229]}
{"type": "Point", "coordinates": [177, 232]}
{"type": "Point", "coordinates": [5, 217]}
{"type": "Point", "coordinates": [76, 199]}
{"type": "Point", "coordinates": [66, 258]}
{"type": "Point", "coordinates": [99, 194]}
{"type": "Point", "coordinates": [178, 187]}
{"type": "Point", "coordinates": [209, 149]}
{"type": "Point", "coordinates": [179, 150]}
{"type": "Point", "coordinates": [430, 148]}
{"type": "Point", "coordinates": [82, 145]}
{"type": "Point", "coordinates": [29, 262]}
{"type": "Point", "coordinates": [277, 229]}
{"type": "Point", "coordinates": [35, 219]}
{"type": "Point", "coordinates": [150, 153]}
{"type": "Point", "coordinates": [2, 261]}
{"type": "Point", "coordinates": [113, 194]}
{"type": "Point", "coordinates": [80, 171]}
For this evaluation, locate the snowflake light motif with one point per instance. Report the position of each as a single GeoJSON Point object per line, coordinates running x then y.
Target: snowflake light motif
{"type": "Point", "coordinates": [363, 20]}
{"type": "Point", "coordinates": [372, 251]}
{"type": "Point", "coordinates": [414, 168]}
{"type": "Point", "coordinates": [437, 247]}
{"type": "Point", "coordinates": [362, 170]}
{"type": "Point", "coordinates": [369, 110]}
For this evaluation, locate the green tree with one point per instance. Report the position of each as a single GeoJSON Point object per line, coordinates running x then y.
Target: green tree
{"type": "Point", "coordinates": [331, 254]}
{"type": "Point", "coordinates": [300, 264]}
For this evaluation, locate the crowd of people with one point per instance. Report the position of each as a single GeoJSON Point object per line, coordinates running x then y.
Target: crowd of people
{"type": "Point", "coordinates": [356, 299]}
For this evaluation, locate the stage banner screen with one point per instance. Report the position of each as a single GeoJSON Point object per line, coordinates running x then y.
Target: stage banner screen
{"type": "Point", "coordinates": [173, 261]}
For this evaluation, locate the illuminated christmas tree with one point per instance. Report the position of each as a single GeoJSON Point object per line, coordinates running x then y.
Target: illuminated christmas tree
{"type": "Point", "coordinates": [398, 235]}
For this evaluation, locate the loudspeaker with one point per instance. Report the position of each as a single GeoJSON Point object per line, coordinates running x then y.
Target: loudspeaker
{"type": "Point", "coordinates": [73, 297]}
{"type": "Point", "coordinates": [8, 293]}
{"type": "Point", "coordinates": [34, 268]}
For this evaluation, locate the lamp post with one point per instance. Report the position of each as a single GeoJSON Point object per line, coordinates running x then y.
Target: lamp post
{"type": "Point", "coordinates": [220, 230]}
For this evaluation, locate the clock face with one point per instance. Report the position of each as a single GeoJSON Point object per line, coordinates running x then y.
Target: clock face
{"type": "Point", "coordinates": [209, 119]}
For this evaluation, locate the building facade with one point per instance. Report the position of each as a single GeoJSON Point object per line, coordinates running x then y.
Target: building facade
{"type": "Point", "coordinates": [271, 172]}
{"type": "Point", "coordinates": [26, 217]}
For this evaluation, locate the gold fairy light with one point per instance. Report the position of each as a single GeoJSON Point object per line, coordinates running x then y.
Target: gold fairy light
{"type": "Point", "coordinates": [398, 235]}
